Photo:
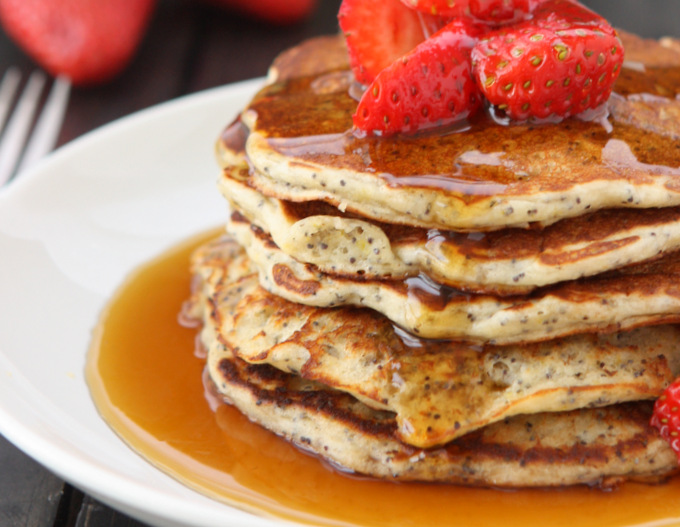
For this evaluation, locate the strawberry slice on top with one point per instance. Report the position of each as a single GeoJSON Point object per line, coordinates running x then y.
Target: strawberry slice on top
{"type": "Point", "coordinates": [378, 32]}
{"type": "Point", "coordinates": [563, 61]}
{"type": "Point", "coordinates": [430, 86]}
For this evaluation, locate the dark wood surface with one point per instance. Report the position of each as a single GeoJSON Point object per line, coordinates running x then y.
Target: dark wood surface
{"type": "Point", "coordinates": [192, 46]}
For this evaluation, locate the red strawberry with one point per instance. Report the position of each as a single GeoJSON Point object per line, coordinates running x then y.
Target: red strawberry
{"type": "Point", "coordinates": [378, 32]}
{"type": "Point", "coordinates": [431, 86]}
{"type": "Point", "coordinates": [562, 62]}
{"type": "Point", "coordinates": [90, 41]}
{"type": "Point", "coordinates": [488, 10]}
{"type": "Point", "coordinates": [666, 416]}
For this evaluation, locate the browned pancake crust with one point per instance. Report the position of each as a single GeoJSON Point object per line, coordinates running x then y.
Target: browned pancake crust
{"type": "Point", "coordinates": [439, 390]}
{"type": "Point", "coordinates": [482, 179]}
{"type": "Point", "coordinates": [504, 262]}
{"type": "Point", "coordinates": [635, 296]}
{"type": "Point", "coordinates": [594, 447]}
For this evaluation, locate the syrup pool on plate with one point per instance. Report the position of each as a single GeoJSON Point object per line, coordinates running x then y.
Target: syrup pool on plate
{"type": "Point", "coordinates": [147, 384]}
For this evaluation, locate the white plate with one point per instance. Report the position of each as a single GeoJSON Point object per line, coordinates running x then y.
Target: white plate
{"type": "Point", "coordinates": [70, 231]}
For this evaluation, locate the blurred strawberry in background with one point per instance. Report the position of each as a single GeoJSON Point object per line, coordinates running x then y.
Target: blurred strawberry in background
{"type": "Point", "coordinates": [92, 41]}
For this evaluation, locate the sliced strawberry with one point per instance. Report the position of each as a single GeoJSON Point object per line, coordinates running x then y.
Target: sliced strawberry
{"type": "Point", "coordinates": [378, 32]}
{"type": "Point", "coordinates": [90, 41]}
{"type": "Point", "coordinates": [666, 416]}
{"type": "Point", "coordinates": [495, 11]}
{"type": "Point", "coordinates": [431, 86]}
{"type": "Point", "coordinates": [562, 62]}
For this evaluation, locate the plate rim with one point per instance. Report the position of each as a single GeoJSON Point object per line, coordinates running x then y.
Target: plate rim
{"type": "Point", "coordinates": [118, 489]}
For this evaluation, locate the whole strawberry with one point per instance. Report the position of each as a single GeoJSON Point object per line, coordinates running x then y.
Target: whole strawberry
{"type": "Point", "coordinates": [89, 41]}
{"type": "Point", "coordinates": [493, 11]}
{"type": "Point", "coordinates": [430, 86]}
{"type": "Point", "coordinates": [666, 416]}
{"type": "Point", "coordinates": [562, 62]}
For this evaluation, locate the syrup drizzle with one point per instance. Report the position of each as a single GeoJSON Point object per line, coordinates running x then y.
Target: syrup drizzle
{"type": "Point", "coordinates": [147, 384]}
{"type": "Point", "coordinates": [489, 157]}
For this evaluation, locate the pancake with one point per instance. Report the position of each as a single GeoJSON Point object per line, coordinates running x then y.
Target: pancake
{"type": "Point", "coordinates": [601, 446]}
{"type": "Point", "coordinates": [447, 346]}
{"type": "Point", "coordinates": [438, 390]}
{"type": "Point", "coordinates": [480, 176]}
{"type": "Point", "coordinates": [634, 296]}
{"type": "Point", "coordinates": [594, 446]}
{"type": "Point", "coordinates": [504, 262]}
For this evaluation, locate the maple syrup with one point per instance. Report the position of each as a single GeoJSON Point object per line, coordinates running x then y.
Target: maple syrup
{"type": "Point", "coordinates": [147, 384]}
{"type": "Point", "coordinates": [486, 171]}
{"type": "Point", "coordinates": [488, 159]}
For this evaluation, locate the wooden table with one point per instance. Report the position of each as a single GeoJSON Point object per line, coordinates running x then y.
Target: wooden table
{"type": "Point", "coordinates": [192, 46]}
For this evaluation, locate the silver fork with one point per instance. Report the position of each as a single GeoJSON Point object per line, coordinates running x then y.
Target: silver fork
{"type": "Point", "coordinates": [17, 127]}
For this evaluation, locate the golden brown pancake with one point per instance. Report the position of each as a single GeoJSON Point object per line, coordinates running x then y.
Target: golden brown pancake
{"type": "Point", "coordinates": [635, 296]}
{"type": "Point", "coordinates": [438, 390]}
{"type": "Point", "coordinates": [602, 446]}
{"type": "Point", "coordinates": [504, 262]}
{"type": "Point", "coordinates": [590, 446]}
{"type": "Point", "coordinates": [482, 176]}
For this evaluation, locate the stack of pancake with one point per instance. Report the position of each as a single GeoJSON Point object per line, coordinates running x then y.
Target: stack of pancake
{"type": "Point", "coordinates": [488, 305]}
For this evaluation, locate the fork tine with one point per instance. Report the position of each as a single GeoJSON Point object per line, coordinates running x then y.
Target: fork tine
{"type": "Point", "coordinates": [8, 89]}
{"type": "Point", "coordinates": [19, 125]}
{"type": "Point", "coordinates": [47, 128]}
